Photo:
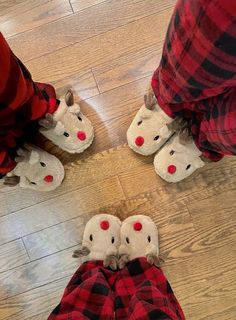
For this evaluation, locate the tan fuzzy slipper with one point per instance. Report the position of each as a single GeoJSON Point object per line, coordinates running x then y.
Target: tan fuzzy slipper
{"type": "Point", "coordinates": [149, 130]}
{"type": "Point", "coordinates": [178, 159]}
{"type": "Point", "coordinates": [101, 240]}
{"type": "Point", "coordinates": [68, 128]}
{"type": "Point", "coordinates": [36, 169]}
{"type": "Point", "coordinates": [139, 238]}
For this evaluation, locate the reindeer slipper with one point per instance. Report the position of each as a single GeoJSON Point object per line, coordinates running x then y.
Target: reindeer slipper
{"type": "Point", "coordinates": [139, 238]}
{"type": "Point", "coordinates": [36, 169]}
{"type": "Point", "coordinates": [101, 240]}
{"type": "Point", "coordinates": [150, 128]}
{"type": "Point", "coordinates": [68, 128]}
{"type": "Point", "coordinates": [178, 159]}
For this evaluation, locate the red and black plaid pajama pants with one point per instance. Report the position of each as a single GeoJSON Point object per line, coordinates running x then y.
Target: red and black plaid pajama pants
{"type": "Point", "coordinates": [196, 78]}
{"type": "Point", "coordinates": [22, 103]}
{"type": "Point", "coordinates": [138, 292]}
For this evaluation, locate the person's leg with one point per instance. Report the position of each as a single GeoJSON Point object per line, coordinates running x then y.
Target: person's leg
{"type": "Point", "coordinates": [217, 133]}
{"type": "Point", "coordinates": [22, 103]}
{"type": "Point", "coordinates": [88, 295]}
{"type": "Point", "coordinates": [198, 63]}
{"type": "Point", "coordinates": [142, 291]}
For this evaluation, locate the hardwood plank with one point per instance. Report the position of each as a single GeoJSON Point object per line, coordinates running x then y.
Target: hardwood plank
{"type": "Point", "coordinates": [28, 305]}
{"type": "Point", "coordinates": [214, 289]}
{"type": "Point", "coordinates": [79, 174]}
{"type": "Point", "coordinates": [44, 315]}
{"type": "Point", "coordinates": [128, 68]}
{"type": "Point", "coordinates": [56, 238]}
{"type": "Point", "coordinates": [121, 101]}
{"type": "Point", "coordinates": [107, 16]}
{"type": "Point", "coordinates": [31, 14]}
{"type": "Point", "coordinates": [37, 273]}
{"type": "Point", "coordinates": [181, 242]}
{"type": "Point", "coordinates": [200, 185]}
{"type": "Point", "coordinates": [12, 254]}
{"type": "Point", "coordinates": [62, 208]}
{"type": "Point", "coordinates": [79, 5]}
{"type": "Point", "coordinates": [112, 133]}
{"type": "Point", "coordinates": [82, 84]}
{"type": "Point", "coordinates": [92, 52]}
{"type": "Point", "coordinates": [217, 210]}
{"type": "Point", "coordinates": [7, 4]}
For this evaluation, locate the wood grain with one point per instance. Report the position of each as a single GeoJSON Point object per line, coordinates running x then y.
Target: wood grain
{"type": "Point", "coordinates": [205, 283]}
{"type": "Point", "coordinates": [56, 210]}
{"type": "Point", "coordinates": [128, 68]}
{"type": "Point", "coordinates": [56, 238]}
{"type": "Point", "coordinates": [79, 5]}
{"type": "Point", "coordinates": [124, 100]}
{"type": "Point", "coordinates": [12, 254]}
{"type": "Point", "coordinates": [31, 303]}
{"type": "Point", "coordinates": [5, 5]}
{"type": "Point", "coordinates": [79, 174]}
{"type": "Point", "coordinates": [74, 29]}
{"type": "Point", "coordinates": [219, 210]}
{"type": "Point", "coordinates": [31, 14]}
{"type": "Point", "coordinates": [37, 273]}
{"type": "Point", "coordinates": [83, 85]}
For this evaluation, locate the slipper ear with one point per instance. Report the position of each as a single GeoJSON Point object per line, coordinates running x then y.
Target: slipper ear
{"type": "Point", "coordinates": [24, 182]}
{"type": "Point", "coordinates": [69, 98]}
{"type": "Point", "coordinates": [84, 251]}
{"type": "Point", "coordinates": [184, 136]}
{"type": "Point", "coordinates": [198, 163]}
{"type": "Point", "coordinates": [34, 157]}
{"type": "Point", "coordinates": [48, 122]}
{"type": "Point", "coordinates": [165, 132]}
{"type": "Point", "coordinates": [150, 100]}
{"type": "Point", "coordinates": [75, 109]}
{"type": "Point", "coordinates": [59, 129]}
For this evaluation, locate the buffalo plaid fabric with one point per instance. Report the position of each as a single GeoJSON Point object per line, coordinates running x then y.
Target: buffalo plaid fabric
{"type": "Point", "coordinates": [196, 78]}
{"type": "Point", "coordinates": [22, 103]}
{"type": "Point", "coordinates": [140, 291]}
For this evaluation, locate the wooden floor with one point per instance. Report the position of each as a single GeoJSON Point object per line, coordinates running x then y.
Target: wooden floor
{"type": "Point", "coordinates": [106, 50]}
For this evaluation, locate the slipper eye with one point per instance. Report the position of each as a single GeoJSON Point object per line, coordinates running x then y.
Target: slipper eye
{"type": "Point", "coordinates": [66, 134]}
{"type": "Point", "coordinates": [149, 239]}
{"type": "Point", "coordinates": [43, 164]}
{"type": "Point", "coordinates": [172, 152]}
{"type": "Point", "coordinates": [80, 119]}
{"type": "Point", "coordinates": [156, 138]}
{"type": "Point", "coordinates": [140, 122]}
{"type": "Point", "coordinates": [188, 166]}
{"type": "Point", "coordinates": [91, 237]}
{"type": "Point", "coordinates": [127, 240]}
{"type": "Point", "coordinates": [34, 183]}
{"type": "Point", "coordinates": [112, 239]}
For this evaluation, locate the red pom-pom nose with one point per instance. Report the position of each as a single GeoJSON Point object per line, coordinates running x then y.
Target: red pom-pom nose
{"type": "Point", "coordinates": [81, 135]}
{"type": "Point", "coordinates": [137, 226]}
{"type": "Point", "coordinates": [48, 178]}
{"type": "Point", "coordinates": [139, 141]}
{"type": "Point", "coordinates": [171, 169]}
{"type": "Point", "coordinates": [104, 225]}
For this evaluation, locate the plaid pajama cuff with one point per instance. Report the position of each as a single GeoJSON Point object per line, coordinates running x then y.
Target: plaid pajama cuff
{"type": "Point", "coordinates": [22, 103]}
{"type": "Point", "coordinates": [140, 291]}
{"type": "Point", "coordinates": [196, 78]}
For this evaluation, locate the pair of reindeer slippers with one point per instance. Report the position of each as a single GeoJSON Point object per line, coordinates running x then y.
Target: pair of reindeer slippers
{"type": "Point", "coordinates": [67, 128]}
{"type": "Point", "coordinates": [106, 238]}
{"type": "Point", "coordinates": [153, 131]}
